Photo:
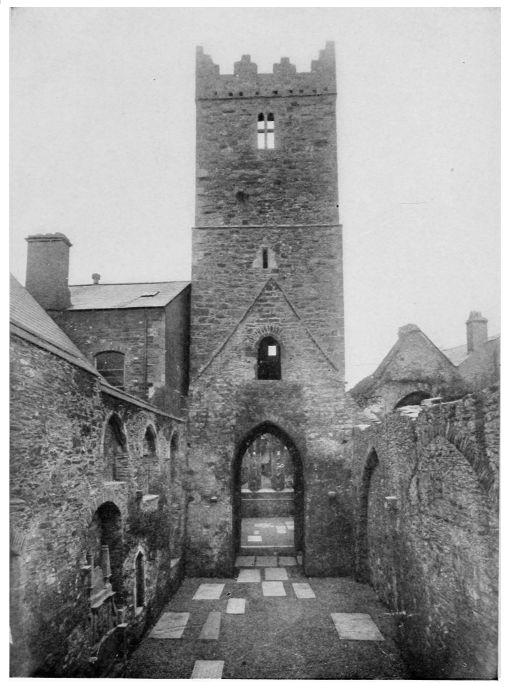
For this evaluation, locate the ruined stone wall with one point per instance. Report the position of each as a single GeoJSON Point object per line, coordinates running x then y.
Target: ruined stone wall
{"type": "Point", "coordinates": [138, 333]}
{"type": "Point", "coordinates": [58, 420]}
{"type": "Point", "coordinates": [426, 503]}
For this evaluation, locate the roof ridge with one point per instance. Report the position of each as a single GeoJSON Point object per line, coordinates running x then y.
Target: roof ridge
{"type": "Point", "coordinates": [117, 284]}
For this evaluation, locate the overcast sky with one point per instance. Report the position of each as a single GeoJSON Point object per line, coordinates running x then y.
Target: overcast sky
{"type": "Point", "coordinates": [103, 131]}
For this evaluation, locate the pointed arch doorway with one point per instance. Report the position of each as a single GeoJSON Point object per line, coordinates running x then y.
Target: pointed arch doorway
{"type": "Point", "coordinates": [268, 504]}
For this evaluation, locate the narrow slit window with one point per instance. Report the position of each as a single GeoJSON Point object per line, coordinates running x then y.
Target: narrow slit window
{"type": "Point", "coordinates": [265, 131]}
{"type": "Point", "coordinates": [265, 258]}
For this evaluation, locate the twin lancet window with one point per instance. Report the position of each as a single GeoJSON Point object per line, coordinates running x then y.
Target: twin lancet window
{"type": "Point", "coordinates": [265, 131]}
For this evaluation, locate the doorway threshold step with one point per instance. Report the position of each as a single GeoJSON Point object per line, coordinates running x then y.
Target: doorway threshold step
{"type": "Point", "coordinates": [246, 550]}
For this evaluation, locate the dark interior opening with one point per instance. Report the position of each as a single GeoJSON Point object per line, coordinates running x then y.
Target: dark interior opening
{"type": "Point", "coordinates": [269, 365]}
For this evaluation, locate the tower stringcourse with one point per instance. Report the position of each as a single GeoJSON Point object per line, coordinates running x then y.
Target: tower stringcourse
{"type": "Point", "coordinates": [267, 339]}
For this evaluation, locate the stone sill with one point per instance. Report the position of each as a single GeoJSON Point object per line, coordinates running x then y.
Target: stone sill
{"type": "Point", "coordinates": [286, 490]}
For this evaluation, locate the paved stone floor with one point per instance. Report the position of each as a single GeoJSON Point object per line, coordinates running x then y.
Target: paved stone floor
{"type": "Point", "coordinates": [267, 532]}
{"type": "Point", "coordinates": [270, 622]}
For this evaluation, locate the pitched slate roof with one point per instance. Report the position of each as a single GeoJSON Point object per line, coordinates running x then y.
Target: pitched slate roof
{"type": "Point", "coordinates": [124, 296]}
{"type": "Point", "coordinates": [459, 353]}
{"type": "Point", "coordinates": [30, 321]}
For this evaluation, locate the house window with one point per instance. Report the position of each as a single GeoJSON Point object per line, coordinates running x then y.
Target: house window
{"type": "Point", "coordinates": [268, 359]}
{"type": "Point", "coordinates": [111, 366]}
{"type": "Point", "coordinates": [265, 131]}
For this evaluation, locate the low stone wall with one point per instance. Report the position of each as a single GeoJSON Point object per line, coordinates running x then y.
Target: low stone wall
{"type": "Point", "coordinates": [426, 513]}
{"type": "Point", "coordinates": [61, 499]}
{"type": "Point", "coordinates": [267, 504]}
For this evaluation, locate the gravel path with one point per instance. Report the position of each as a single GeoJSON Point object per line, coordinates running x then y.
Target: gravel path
{"type": "Point", "coordinates": [279, 635]}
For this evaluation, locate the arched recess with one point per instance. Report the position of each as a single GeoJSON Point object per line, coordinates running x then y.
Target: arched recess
{"type": "Point", "coordinates": [415, 398]}
{"type": "Point", "coordinates": [150, 442]}
{"type": "Point", "coordinates": [466, 444]}
{"type": "Point", "coordinates": [115, 449]}
{"type": "Point", "coordinates": [362, 563]}
{"type": "Point", "coordinates": [105, 529]}
{"type": "Point", "coordinates": [272, 429]}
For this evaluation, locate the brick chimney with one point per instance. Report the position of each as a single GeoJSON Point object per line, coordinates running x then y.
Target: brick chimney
{"type": "Point", "coordinates": [477, 330]}
{"type": "Point", "coordinates": [47, 270]}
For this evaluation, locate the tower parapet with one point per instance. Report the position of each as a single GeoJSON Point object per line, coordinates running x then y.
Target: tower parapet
{"type": "Point", "coordinates": [284, 81]}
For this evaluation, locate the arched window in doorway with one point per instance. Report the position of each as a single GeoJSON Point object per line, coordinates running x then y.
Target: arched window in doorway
{"type": "Point", "coordinates": [115, 450]}
{"type": "Point", "coordinates": [269, 364]}
{"type": "Point", "coordinates": [413, 399]}
{"type": "Point", "coordinates": [140, 581]}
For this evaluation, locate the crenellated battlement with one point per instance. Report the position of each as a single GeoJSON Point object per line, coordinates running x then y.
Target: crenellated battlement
{"type": "Point", "coordinates": [246, 82]}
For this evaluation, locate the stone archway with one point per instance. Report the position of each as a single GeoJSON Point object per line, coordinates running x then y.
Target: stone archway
{"type": "Point", "coordinates": [240, 503]}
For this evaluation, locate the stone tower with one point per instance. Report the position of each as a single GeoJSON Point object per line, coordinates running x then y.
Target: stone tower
{"type": "Point", "coordinates": [267, 268]}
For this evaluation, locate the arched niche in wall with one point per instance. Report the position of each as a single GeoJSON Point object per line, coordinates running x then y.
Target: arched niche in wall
{"type": "Point", "coordinates": [115, 449]}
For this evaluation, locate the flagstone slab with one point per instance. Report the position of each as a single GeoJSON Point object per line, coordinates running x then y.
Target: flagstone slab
{"type": "Point", "coordinates": [242, 561]}
{"type": "Point", "coordinates": [209, 591]}
{"type": "Point", "coordinates": [275, 574]}
{"type": "Point", "coordinates": [207, 669]}
{"type": "Point", "coordinates": [273, 588]}
{"type": "Point", "coordinates": [236, 606]}
{"type": "Point", "coordinates": [266, 561]}
{"type": "Point", "coordinates": [287, 561]}
{"type": "Point", "coordinates": [211, 628]}
{"type": "Point", "coordinates": [249, 576]}
{"type": "Point", "coordinates": [171, 625]}
{"type": "Point", "coordinates": [356, 626]}
{"type": "Point", "coordinates": [303, 590]}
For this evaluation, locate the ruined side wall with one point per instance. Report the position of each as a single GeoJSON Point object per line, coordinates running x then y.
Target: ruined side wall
{"type": "Point", "coordinates": [427, 531]}
{"type": "Point", "coordinates": [58, 417]}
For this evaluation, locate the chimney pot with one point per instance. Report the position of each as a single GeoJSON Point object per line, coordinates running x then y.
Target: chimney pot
{"type": "Point", "coordinates": [96, 278]}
